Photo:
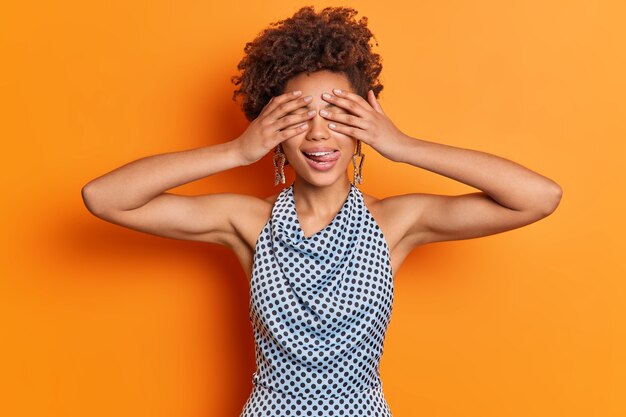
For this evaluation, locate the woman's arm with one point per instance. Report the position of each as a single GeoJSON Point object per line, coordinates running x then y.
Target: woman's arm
{"type": "Point", "coordinates": [509, 184]}
{"type": "Point", "coordinates": [134, 184]}
{"type": "Point", "coordinates": [512, 195]}
{"type": "Point", "coordinates": [134, 195]}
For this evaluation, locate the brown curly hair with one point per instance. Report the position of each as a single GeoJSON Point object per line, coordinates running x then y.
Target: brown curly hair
{"type": "Point", "coordinates": [307, 42]}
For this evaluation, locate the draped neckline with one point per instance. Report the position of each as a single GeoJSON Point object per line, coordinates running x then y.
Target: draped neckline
{"type": "Point", "coordinates": [335, 219]}
{"type": "Point", "coordinates": [314, 266]}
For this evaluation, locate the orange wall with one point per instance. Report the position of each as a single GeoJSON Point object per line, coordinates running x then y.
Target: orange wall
{"type": "Point", "coordinates": [98, 320]}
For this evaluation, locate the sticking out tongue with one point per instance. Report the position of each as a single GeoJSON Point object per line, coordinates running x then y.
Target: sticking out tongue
{"type": "Point", "coordinates": [333, 156]}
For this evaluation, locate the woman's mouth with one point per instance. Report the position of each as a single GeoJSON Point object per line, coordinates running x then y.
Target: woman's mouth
{"type": "Point", "coordinates": [322, 161]}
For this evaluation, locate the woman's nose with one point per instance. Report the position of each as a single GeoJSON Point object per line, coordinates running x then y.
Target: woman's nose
{"type": "Point", "coordinates": [318, 128]}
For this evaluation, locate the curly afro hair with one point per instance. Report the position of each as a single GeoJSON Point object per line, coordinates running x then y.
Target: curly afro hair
{"type": "Point", "coordinates": [307, 42]}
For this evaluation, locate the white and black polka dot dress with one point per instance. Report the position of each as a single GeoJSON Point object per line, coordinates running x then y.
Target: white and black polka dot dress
{"type": "Point", "coordinates": [320, 308]}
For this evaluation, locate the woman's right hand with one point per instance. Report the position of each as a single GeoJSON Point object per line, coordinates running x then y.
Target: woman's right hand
{"type": "Point", "coordinates": [272, 126]}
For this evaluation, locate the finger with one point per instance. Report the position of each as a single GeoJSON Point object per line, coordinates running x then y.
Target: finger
{"type": "Point", "coordinates": [353, 132]}
{"type": "Point", "coordinates": [345, 118]}
{"type": "Point", "coordinates": [352, 102]}
{"type": "Point", "coordinates": [352, 96]}
{"type": "Point", "coordinates": [290, 120]}
{"type": "Point", "coordinates": [374, 102]}
{"type": "Point", "coordinates": [284, 108]}
{"type": "Point", "coordinates": [278, 100]}
{"type": "Point", "coordinates": [292, 131]}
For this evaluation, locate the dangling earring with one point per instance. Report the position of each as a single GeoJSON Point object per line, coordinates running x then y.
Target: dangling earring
{"type": "Point", "coordinates": [358, 172]}
{"type": "Point", "coordinates": [279, 165]}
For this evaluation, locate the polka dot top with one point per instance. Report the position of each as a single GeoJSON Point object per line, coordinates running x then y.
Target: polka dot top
{"type": "Point", "coordinates": [320, 306]}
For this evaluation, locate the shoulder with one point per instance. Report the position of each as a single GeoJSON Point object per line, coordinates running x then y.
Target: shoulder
{"type": "Point", "coordinates": [396, 215]}
{"type": "Point", "coordinates": [271, 199]}
{"type": "Point", "coordinates": [250, 214]}
{"type": "Point", "coordinates": [243, 218]}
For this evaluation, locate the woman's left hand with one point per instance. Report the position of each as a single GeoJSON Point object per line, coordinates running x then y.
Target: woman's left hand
{"type": "Point", "coordinates": [366, 122]}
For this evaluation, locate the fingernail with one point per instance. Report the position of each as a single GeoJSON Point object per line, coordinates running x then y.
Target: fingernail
{"type": "Point", "coordinates": [323, 112]}
{"type": "Point", "coordinates": [297, 93]}
{"type": "Point", "coordinates": [332, 125]}
{"type": "Point", "coordinates": [326, 95]}
{"type": "Point", "coordinates": [311, 112]}
{"type": "Point", "coordinates": [338, 91]}
{"type": "Point", "coordinates": [308, 98]}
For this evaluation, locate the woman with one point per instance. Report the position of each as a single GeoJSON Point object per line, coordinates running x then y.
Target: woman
{"type": "Point", "coordinates": [320, 255]}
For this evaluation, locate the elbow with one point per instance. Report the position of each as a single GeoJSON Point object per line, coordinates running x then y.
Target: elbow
{"type": "Point", "coordinates": [88, 194]}
{"type": "Point", "coordinates": [550, 199]}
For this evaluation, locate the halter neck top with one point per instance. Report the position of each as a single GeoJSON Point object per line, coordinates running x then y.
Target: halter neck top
{"type": "Point", "coordinates": [320, 305]}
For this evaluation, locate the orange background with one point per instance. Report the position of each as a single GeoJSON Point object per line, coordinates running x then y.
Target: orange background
{"type": "Point", "coordinates": [98, 320]}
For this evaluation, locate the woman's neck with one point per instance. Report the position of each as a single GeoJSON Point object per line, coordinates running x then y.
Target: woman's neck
{"type": "Point", "coordinates": [320, 200]}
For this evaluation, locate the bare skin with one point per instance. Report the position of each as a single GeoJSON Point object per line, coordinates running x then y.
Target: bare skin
{"type": "Point", "coordinates": [135, 195]}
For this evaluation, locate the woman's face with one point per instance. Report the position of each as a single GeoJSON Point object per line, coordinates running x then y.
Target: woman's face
{"type": "Point", "coordinates": [319, 137]}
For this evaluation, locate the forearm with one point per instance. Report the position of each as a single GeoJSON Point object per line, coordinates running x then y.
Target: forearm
{"type": "Point", "coordinates": [508, 183]}
{"type": "Point", "coordinates": [137, 182]}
